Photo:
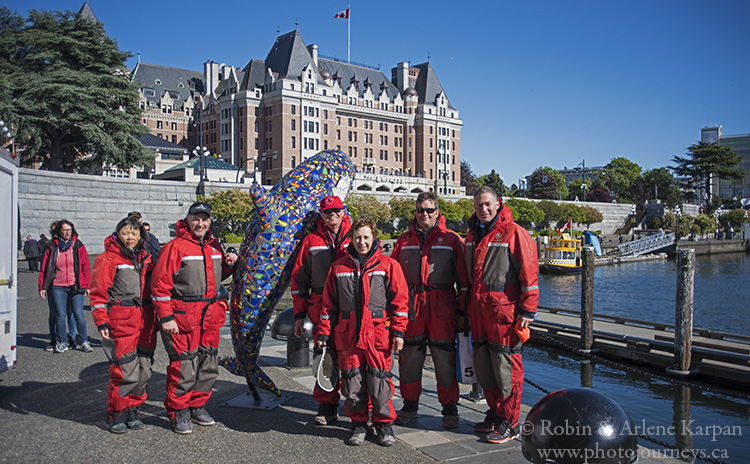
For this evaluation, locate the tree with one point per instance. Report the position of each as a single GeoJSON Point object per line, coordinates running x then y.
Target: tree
{"type": "Point", "coordinates": [403, 210]}
{"type": "Point", "coordinates": [66, 95]}
{"type": "Point", "coordinates": [450, 211]}
{"type": "Point", "coordinates": [619, 176]}
{"type": "Point", "coordinates": [576, 190]}
{"type": "Point", "coordinates": [660, 183]}
{"type": "Point", "coordinates": [733, 218]}
{"type": "Point", "coordinates": [600, 195]}
{"type": "Point", "coordinates": [367, 206]}
{"type": "Point", "coordinates": [492, 180]}
{"type": "Point", "coordinates": [706, 159]}
{"type": "Point", "coordinates": [706, 223]}
{"type": "Point", "coordinates": [547, 184]}
{"type": "Point", "coordinates": [525, 212]}
{"type": "Point", "coordinates": [468, 179]}
{"type": "Point", "coordinates": [231, 209]}
{"type": "Point", "coordinates": [467, 208]}
{"type": "Point", "coordinates": [591, 216]}
{"type": "Point", "coordinates": [552, 212]}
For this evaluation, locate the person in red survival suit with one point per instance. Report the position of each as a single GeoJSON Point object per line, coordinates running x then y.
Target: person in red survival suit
{"type": "Point", "coordinates": [365, 311]}
{"type": "Point", "coordinates": [432, 258]}
{"type": "Point", "coordinates": [184, 286]}
{"type": "Point", "coordinates": [123, 313]}
{"type": "Point", "coordinates": [501, 261]}
{"type": "Point", "coordinates": [317, 252]}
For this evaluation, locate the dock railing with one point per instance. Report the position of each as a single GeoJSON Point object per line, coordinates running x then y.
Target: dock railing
{"type": "Point", "coordinates": [646, 244]}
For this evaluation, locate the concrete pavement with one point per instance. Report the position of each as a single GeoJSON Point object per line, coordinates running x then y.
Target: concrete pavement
{"type": "Point", "coordinates": [52, 408]}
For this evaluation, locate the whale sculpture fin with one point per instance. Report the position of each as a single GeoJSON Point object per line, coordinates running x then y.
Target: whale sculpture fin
{"type": "Point", "coordinates": [264, 202]}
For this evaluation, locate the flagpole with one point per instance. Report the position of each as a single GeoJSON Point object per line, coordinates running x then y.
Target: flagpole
{"type": "Point", "coordinates": [349, 35]}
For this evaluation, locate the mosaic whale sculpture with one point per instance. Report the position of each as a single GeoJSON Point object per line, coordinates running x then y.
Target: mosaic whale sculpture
{"type": "Point", "coordinates": [282, 217]}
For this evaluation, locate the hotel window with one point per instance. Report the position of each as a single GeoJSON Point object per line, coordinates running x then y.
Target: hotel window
{"type": "Point", "coordinates": [325, 144]}
{"type": "Point", "coordinates": [294, 160]}
{"type": "Point", "coordinates": [158, 124]}
{"type": "Point", "coordinates": [294, 142]}
{"type": "Point", "coordinates": [174, 126]}
{"type": "Point", "coordinates": [325, 129]}
{"type": "Point", "coordinates": [294, 109]}
{"type": "Point", "coordinates": [294, 124]}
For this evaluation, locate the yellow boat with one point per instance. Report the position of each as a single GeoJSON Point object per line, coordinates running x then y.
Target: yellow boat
{"type": "Point", "coordinates": [562, 256]}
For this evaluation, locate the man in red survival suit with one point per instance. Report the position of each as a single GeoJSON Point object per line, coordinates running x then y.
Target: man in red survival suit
{"type": "Point", "coordinates": [432, 258]}
{"type": "Point", "coordinates": [501, 261]}
{"type": "Point", "coordinates": [317, 253]}
{"type": "Point", "coordinates": [184, 288]}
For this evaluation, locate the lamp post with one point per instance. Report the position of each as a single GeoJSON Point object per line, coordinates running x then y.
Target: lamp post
{"type": "Point", "coordinates": [522, 184]}
{"type": "Point", "coordinates": [583, 189]}
{"type": "Point", "coordinates": [6, 133]}
{"type": "Point", "coordinates": [202, 152]}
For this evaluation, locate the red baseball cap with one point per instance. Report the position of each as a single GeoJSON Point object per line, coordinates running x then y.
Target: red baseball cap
{"type": "Point", "coordinates": [331, 203]}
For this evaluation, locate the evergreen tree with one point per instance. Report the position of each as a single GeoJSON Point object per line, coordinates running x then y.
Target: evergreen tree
{"type": "Point", "coordinates": [468, 179]}
{"type": "Point", "coordinates": [547, 184]}
{"type": "Point", "coordinates": [704, 159]}
{"type": "Point", "coordinates": [64, 90]}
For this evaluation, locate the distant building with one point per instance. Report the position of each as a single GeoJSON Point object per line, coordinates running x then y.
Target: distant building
{"type": "Point", "coordinates": [402, 133]}
{"type": "Point", "coordinates": [581, 172]}
{"type": "Point", "coordinates": [740, 144]}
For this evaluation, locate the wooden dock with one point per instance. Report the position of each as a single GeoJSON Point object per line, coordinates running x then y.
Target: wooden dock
{"type": "Point", "coordinates": [717, 357]}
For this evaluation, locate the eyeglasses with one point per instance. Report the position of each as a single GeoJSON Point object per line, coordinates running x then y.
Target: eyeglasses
{"type": "Point", "coordinates": [426, 210]}
{"type": "Point", "coordinates": [333, 211]}
{"type": "Point", "coordinates": [147, 229]}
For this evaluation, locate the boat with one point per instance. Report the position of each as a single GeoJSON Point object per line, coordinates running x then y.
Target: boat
{"type": "Point", "coordinates": [562, 256]}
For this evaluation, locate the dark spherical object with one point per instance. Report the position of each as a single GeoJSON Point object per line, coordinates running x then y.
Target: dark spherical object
{"type": "Point", "coordinates": [578, 425]}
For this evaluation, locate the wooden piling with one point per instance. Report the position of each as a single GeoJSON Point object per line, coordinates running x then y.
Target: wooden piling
{"type": "Point", "coordinates": [684, 312]}
{"type": "Point", "coordinates": [587, 298]}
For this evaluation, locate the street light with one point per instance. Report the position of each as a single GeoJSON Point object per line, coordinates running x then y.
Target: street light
{"type": "Point", "coordinates": [583, 188]}
{"type": "Point", "coordinates": [6, 133]}
{"type": "Point", "coordinates": [202, 152]}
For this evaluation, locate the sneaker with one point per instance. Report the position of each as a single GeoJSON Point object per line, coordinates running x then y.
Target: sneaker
{"type": "Point", "coordinates": [488, 424]}
{"type": "Point", "coordinates": [61, 347]}
{"type": "Point", "coordinates": [503, 433]}
{"type": "Point", "coordinates": [50, 347]}
{"type": "Point", "coordinates": [86, 347]}
{"type": "Point", "coordinates": [201, 417]}
{"type": "Point", "coordinates": [133, 422]}
{"type": "Point", "coordinates": [407, 413]}
{"type": "Point", "coordinates": [385, 434]}
{"type": "Point", "coordinates": [327, 414]}
{"type": "Point", "coordinates": [359, 431]}
{"type": "Point", "coordinates": [181, 422]}
{"type": "Point", "coordinates": [116, 422]}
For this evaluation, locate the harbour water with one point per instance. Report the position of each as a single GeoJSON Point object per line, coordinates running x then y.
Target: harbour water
{"type": "Point", "coordinates": [720, 423]}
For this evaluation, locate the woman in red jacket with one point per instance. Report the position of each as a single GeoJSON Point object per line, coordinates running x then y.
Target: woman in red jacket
{"type": "Point", "coordinates": [123, 313]}
{"type": "Point", "coordinates": [365, 310]}
{"type": "Point", "coordinates": [65, 279]}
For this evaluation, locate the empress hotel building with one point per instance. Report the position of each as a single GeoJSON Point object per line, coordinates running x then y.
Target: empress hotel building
{"type": "Point", "coordinates": [402, 133]}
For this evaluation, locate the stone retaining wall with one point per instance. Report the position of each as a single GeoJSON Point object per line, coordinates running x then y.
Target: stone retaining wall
{"type": "Point", "coordinates": [95, 204]}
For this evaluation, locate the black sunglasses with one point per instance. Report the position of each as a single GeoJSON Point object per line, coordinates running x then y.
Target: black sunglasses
{"type": "Point", "coordinates": [332, 211]}
{"type": "Point", "coordinates": [426, 210]}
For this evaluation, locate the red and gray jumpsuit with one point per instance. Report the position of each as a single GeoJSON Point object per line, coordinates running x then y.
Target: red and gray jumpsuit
{"type": "Point", "coordinates": [317, 252]}
{"type": "Point", "coordinates": [120, 302]}
{"type": "Point", "coordinates": [433, 266]}
{"type": "Point", "coordinates": [364, 307]}
{"type": "Point", "coordinates": [501, 260]}
{"type": "Point", "coordinates": [184, 287]}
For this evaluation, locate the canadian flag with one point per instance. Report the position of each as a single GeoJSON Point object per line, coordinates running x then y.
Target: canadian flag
{"type": "Point", "coordinates": [343, 14]}
{"type": "Point", "coordinates": [568, 225]}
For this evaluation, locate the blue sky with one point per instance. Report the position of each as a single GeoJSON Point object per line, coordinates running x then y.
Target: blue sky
{"type": "Point", "coordinates": [537, 83]}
